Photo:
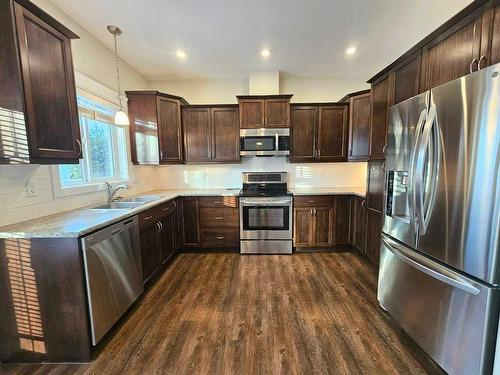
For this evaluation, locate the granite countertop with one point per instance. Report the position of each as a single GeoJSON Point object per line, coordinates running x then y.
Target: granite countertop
{"type": "Point", "coordinates": [82, 221]}
{"type": "Point", "coordinates": [303, 190]}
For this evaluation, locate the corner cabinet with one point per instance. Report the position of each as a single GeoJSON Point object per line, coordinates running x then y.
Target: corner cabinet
{"type": "Point", "coordinates": [155, 127]}
{"type": "Point", "coordinates": [271, 111]}
{"type": "Point", "coordinates": [38, 104]}
{"type": "Point", "coordinates": [319, 132]}
{"type": "Point", "coordinates": [211, 134]}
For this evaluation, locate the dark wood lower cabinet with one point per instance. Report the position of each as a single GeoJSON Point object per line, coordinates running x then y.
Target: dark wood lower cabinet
{"type": "Point", "coordinates": [321, 221]}
{"type": "Point", "coordinates": [190, 225]}
{"type": "Point", "coordinates": [150, 251]}
{"type": "Point", "coordinates": [358, 224]}
{"type": "Point", "coordinates": [373, 233]}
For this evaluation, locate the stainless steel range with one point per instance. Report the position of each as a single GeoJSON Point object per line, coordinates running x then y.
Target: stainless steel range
{"type": "Point", "coordinates": [265, 214]}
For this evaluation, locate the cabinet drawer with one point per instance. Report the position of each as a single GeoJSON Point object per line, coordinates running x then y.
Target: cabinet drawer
{"type": "Point", "coordinates": [219, 217]}
{"type": "Point", "coordinates": [149, 217]}
{"type": "Point", "coordinates": [167, 207]}
{"type": "Point", "coordinates": [313, 201]}
{"type": "Point", "coordinates": [218, 202]}
{"type": "Point", "coordinates": [220, 237]}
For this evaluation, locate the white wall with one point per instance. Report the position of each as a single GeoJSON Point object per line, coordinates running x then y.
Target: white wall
{"type": "Point", "coordinates": [95, 60]}
{"type": "Point", "coordinates": [304, 89]}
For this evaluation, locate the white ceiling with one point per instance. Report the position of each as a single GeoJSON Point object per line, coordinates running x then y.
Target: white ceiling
{"type": "Point", "coordinates": [223, 38]}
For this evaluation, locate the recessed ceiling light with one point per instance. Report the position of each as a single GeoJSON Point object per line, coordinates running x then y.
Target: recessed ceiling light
{"type": "Point", "coordinates": [351, 50]}
{"type": "Point", "coordinates": [265, 52]}
{"type": "Point", "coordinates": [181, 54]}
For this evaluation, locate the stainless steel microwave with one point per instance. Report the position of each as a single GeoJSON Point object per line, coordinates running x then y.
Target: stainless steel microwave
{"type": "Point", "coordinates": [265, 142]}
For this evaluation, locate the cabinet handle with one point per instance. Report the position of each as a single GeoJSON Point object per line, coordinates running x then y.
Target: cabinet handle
{"type": "Point", "coordinates": [219, 218]}
{"type": "Point", "coordinates": [483, 57]}
{"type": "Point", "coordinates": [217, 202]}
{"type": "Point", "coordinates": [220, 237]}
{"type": "Point", "coordinates": [319, 154]}
{"type": "Point", "coordinates": [79, 143]}
{"type": "Point", "coordinates": [311, 201]}
{"type": "Point", "coordinates": [363, 204]}
{"type": "Point", "coordinates": [158, 228]}
{"type": "Point", "coordinates": [471, 66]}
{"type": "Point", "coordinates": [148, 218]}
{"type": "Point", "coordinates": [384, 149]}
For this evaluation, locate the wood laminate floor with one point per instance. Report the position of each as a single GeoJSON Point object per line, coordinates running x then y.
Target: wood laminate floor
{"type": "Point", "coordinates": [309, 313]}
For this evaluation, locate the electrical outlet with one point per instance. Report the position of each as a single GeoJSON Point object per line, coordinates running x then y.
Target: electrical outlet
{"type": "Point", "coordinates": [31, 189]}
{"type": "Point", "coordinates": [204, 177]}
{"type": "Point", "coordinates": [322, 174]}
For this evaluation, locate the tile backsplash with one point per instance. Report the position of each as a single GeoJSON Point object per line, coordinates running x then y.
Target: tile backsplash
{"type": "Point", "coordinates": [229, 175]}
{"type": "Point", "coordinates": [16, 205]}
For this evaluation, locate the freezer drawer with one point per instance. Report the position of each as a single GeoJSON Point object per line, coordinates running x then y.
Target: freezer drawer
{"type": "Point", "coordinates": [450, 316]}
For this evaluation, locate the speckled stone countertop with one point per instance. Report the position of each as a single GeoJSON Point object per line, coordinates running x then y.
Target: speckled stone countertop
{"type": "Point", "coordinates": [302, 190]}
{"type": "Point", "coordinates": [82, 221]}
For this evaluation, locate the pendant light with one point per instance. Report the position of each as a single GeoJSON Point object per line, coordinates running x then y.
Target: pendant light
{"type": "Point", "coordinates": [121, 118]}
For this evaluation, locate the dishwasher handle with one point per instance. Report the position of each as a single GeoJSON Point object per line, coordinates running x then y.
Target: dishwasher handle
{"type": "Point", "coordinates": [109, 231]}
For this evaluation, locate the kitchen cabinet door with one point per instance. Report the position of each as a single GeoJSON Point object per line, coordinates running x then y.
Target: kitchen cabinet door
{"type": "Point", "coordinates": [323, 226]}
{"type": "Point", "coordinates": [225, 134]}
{"type": "Point", "coordinates": [303, 227]}
{"type": "Point", "coordinates": [197, 134]}
{"type": "Point", "coordinates": [252, 113]}
{"type": "Point", "coordinates": [358, 224]}
{"type": "Point", "coordinates": [304, 122]}
{"type": "Point", "coordinates": [380, 107]}
{"type": "Point", "coordinates": [277, 113]}
{"type": "Point", "coordinates": [49, 90]}
{"type": "Point", "coordinates": [190, 222]}
{"type": "Point", "coordinates": [373, 234]}
{"type": "Point", "coordinates": [169, 130]}
{"type": "Point", "coordinates": [166, 237]}
{"type": "Point", "coordinates": [359, 129]}
{"type": "Point", "coordinates": [150, 251]}
{"type": "Point", "coordinates": [342, 220]}
{"type": "Point", "coordinates": [493, 55]}
{"type": "Point", "coordinates": [332, 133]}
{"type": "Point", "coordinates": [376, 181]}
{"type": "Point", "coordinates": [179, 231]}
{"type": "Point", "coordinates": [451, 55]}
{"type": "Point", "coordinates": [407, 78]}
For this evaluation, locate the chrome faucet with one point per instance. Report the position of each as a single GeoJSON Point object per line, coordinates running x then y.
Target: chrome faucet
{"type": "Point", "coordinates": [112, 191]}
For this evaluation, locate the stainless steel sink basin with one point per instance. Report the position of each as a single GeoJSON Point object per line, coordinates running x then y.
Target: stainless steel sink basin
{"type": "Point", "coordinates": [118, 206]}
{"type": "Point", "coordinates": [142, 199]}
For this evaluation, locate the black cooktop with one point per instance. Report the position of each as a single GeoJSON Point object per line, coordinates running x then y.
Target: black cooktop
{"type": "Point", "coordinates": [264, 190]}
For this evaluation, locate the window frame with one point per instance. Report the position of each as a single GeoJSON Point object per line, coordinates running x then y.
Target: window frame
{"type": "Point", "coordinates": [121, 160]}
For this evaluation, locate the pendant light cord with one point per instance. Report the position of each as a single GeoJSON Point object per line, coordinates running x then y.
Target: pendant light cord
{"type": "Point", "coordinates": [119, 96]}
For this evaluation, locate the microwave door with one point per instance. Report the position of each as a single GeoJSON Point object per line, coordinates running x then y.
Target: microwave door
{"type": "Point", "coordinates": [258, 145]}
{"type": "Point", "coordinates": [406, 121]}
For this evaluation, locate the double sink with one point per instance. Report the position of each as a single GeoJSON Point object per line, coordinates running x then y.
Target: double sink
{"type": "Point", "coordinates": [127, 203]}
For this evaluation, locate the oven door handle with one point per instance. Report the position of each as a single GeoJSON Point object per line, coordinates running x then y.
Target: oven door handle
{"type": "Point", "coordinates": [263, 204]}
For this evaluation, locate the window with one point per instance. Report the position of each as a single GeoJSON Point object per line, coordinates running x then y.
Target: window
{"type": "Point", "coordinates": [104, 148]}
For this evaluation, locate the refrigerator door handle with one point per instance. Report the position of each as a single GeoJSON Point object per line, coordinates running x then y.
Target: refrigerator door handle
{"type": "Point", "coordinates": [413, 168]}
{"type": "Point", "coordinates": [430, 268]}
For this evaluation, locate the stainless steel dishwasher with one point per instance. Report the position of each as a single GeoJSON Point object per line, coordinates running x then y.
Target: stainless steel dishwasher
{"type": "Point", "coordinates": [113, 273]}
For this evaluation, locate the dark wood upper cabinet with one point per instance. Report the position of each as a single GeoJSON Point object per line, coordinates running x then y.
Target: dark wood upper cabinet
{"type": "Point", "coordinates": [211, 134]}
{"type": "Point", "coordinates": [406, 79]}
{"type": "Point", "coordinates": [493, 19]}
{"type": "Point", "coordinates": [225, 134]}
{"type": "Point", "coordinates": [380, 107]}
{"type": "Point", "coordinates": [38, 88]}
{"type": "Point", "coordinates": [304, 125]}
{"type": "Point", "coordinates": [359, 126]}
{"type": "Point", "coordinates": [318, 132]}
{"type": "Point", "coordinates": [155, 127]}
{"type": "Point", "coordinates": [197, 135]}
{"type": "Point", "coordinates": [271, 111]}
{"type": "Point", "coordinates": [169, 130]}
{"type": "Point", "coordinates": [453, 53]}
{"type": "Point", "coordinates": [332, 133]}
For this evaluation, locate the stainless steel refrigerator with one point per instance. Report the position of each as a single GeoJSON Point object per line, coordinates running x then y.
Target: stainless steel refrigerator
{"type": "Point", "coordinates": [439, 266]}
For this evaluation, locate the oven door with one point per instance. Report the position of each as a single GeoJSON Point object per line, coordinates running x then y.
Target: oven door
{"type": "Point", "coordinates": [266, 218]}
